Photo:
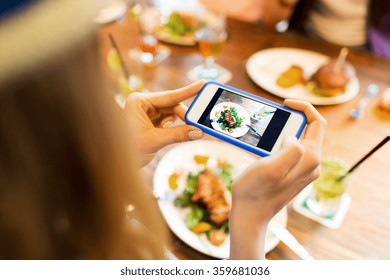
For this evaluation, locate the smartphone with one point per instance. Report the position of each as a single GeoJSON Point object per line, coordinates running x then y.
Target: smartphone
{"type": "Point", "coordinates": [243, 119]}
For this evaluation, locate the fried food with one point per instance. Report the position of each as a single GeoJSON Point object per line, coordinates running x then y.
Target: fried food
{"type": "Point", "coordinates": [214, 195]}
{"type": "Point", "coordinates": [229, 119]}
{"type": "Point", "coordinates": [201, 228]}
{"type": "Point", "coordinates": [291, 77]}
{"type": "Point", "coordinates": [327, 81]}
{"type": "Point", "coordinates": [217, 237]}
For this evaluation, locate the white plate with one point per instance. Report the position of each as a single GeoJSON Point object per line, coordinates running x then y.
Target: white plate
{"type": "Point", "coordinates": [242, 113]}
{"type": "Point", "coordinates": [265, 66]}
{"type": "Point", "coordinates": [181, 157]}
{"type": "Point", "coordinates": [111, 13]}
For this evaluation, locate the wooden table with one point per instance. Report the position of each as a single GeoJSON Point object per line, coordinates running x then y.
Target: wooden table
{"type": "Point", "coordinates": [365, 231]}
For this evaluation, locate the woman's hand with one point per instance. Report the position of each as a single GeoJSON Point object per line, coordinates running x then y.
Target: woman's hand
{"type": "Point", "coordinates": [269, 184]}
{"type": "Point", "coordinates": [150, 115]}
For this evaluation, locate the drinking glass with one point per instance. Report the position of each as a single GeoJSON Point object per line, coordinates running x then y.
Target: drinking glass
{"type": "Point", "coordinates": [125, 82]}
{"type": "Point", "coordinates": [148, 21]}
{"type": "Point", "coordinates": [211, 37]}
{"type": "Point", "coordinates": [326, 194]}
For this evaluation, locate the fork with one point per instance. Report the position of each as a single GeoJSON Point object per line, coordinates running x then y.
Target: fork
{"type": "Point", "coordinates": [287, 238]}
{"type": "Point", "coordinates": [253, 130]}
{"type": "Point", "coordinates": [371, 91]}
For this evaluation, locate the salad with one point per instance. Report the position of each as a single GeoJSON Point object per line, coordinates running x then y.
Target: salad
{"type": "Point", "coordinates": [181, 24]}
{"type": "Point", "coordinates": [206, 200]}
{"type": "Point", "coordinates": [229, 119]}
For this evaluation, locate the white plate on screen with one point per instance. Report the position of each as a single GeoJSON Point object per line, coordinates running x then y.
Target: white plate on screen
{"type": "Point", "coordinates": [241, 112]}
{"type": "Point", "coordinates": [265, 66]}
{"type": "Point", "coordinates": [181, 157]}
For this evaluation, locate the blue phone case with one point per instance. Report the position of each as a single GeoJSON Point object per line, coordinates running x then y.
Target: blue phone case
{"type": "Point", "coordinates": [232, 140]}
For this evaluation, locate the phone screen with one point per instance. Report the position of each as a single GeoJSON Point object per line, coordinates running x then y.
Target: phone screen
{"type": "Point", "coordinates": [246, 119]}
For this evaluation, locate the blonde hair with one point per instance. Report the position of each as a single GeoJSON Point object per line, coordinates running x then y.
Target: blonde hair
{"type": "Point", "coordinates": [67, 168]}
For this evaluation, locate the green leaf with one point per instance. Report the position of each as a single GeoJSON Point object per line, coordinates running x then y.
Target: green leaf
{"type": "Point", "coordinates": [184, 200]}
{"type": "Point", "coordinates": [225, 227]}
{"type": "Point", "coordinates": [192, 183]}
{"type": "Point", "coordinates": [195, 216]}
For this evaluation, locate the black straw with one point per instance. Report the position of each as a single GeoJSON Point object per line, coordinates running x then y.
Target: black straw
{"type": "Point", "coordinates": [123, 66]}
{"type": "Point", "coordinates": [384, 141]}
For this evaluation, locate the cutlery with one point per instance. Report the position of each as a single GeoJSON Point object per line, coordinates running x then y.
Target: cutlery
{"type": "Point", "coordinates": [253, 130]}
{"type": "Point", "coordinates": [371, 91]}
{"type": "Point", "coordinates": [287, 238]}
{"type": "Point", "coordinates": [169, 255]}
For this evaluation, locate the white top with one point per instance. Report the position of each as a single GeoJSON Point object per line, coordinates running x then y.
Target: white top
{"type": "Point", "coordinates": [341, 22]}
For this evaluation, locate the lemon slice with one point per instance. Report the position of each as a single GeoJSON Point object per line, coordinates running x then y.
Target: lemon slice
{"type": "Point", "coordinates": [113, 60]}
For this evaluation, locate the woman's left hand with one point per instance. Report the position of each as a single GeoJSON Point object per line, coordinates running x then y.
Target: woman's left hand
{"type": "Point", "coordinates": [151, 114]}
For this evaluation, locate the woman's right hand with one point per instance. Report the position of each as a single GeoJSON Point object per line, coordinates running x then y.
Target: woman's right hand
{"type": "Point", "coordinates": [266, 186]}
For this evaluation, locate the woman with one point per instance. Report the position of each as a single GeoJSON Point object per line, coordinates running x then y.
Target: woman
{"type": "Point", "coordinates": [354, 23]}
{"type": "Point", "coordinates": [360, 24]}
{"type": "Point", "coordinates": [69, 157]}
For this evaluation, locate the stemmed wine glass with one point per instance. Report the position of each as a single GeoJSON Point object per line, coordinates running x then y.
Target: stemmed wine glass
{"type": "Point", "coordinates": [211, 37]}
{"type": "Point", "coordinates": [148, 17]}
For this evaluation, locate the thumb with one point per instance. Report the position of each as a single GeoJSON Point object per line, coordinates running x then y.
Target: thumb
{"type": "Point", "coordinates": [178, 134]}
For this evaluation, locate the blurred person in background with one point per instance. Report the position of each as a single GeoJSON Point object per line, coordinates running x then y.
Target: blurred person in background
{"type": "Point", "coordinates": [70, 157]}
{"type": "Point", "coordinates": [361, 24]}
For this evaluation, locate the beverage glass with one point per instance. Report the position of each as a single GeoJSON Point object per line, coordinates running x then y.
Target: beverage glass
{"type": "Point", "coordinates": [326, 194]}
{"type": "Point", "coordinates": [125, 82]}
{"type": "Point", "coordinates": [211, 37]}
{"type": "Point", "coordinates": [149, 20]}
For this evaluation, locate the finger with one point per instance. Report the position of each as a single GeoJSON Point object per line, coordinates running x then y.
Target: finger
{"type": "Point", "coordinates": [167, 121]}
{"type": "Point", "coordinates": [308, 109]}
{"type": "Point", "coordinates": [316, 123]}
{"type": "Point", "coordinates": [177, 134]}
{"type": "Point", "coordinates": [281, 163]}
{"type": "Point", "coordinates": [312, 140]}
{"type": "Point", "coordinates": [180, 110]}
{"type": "Point", "coordinates": [304, 180]}
{"type": "Point", "coordinates": [315, 133]}
{"type": "Point", "coordinates": [174, 97]}
{"type": "Point", "coordinates": [288, 156]}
